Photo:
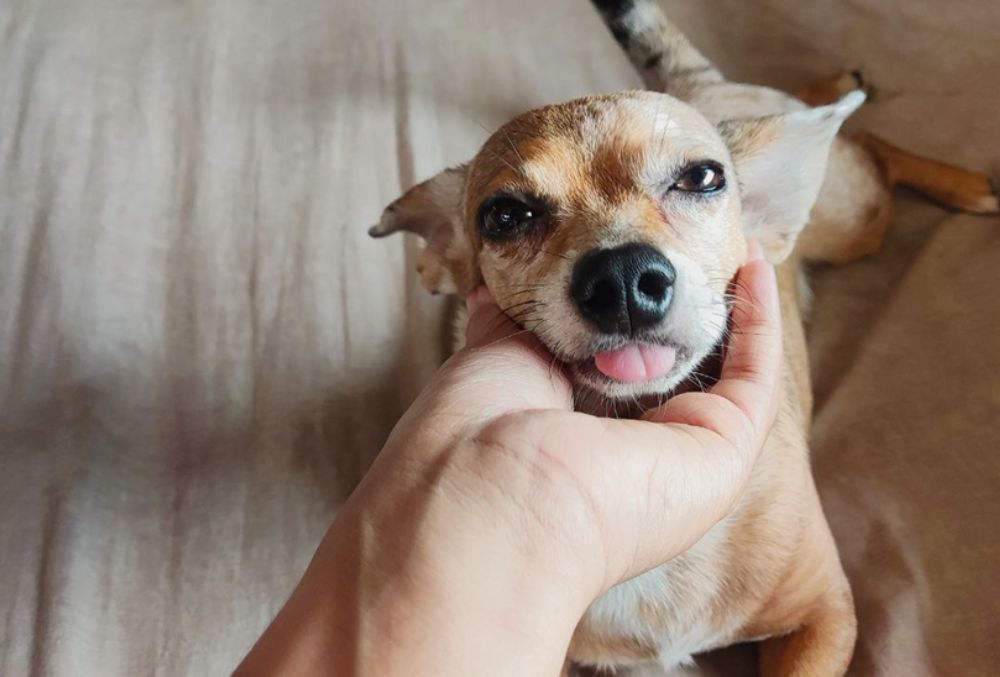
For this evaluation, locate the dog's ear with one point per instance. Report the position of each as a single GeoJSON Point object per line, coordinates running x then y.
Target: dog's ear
{"type": "Point", "coordinates": [433, 210]}
{"type": "Point", "coordinates": [780, 163]}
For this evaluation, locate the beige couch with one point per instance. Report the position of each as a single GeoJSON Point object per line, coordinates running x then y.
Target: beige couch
{"type": "Point", "coordinates": [200, 348]}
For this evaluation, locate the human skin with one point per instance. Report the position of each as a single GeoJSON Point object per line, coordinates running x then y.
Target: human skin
{"type": "Point", "coordinates": [495, 514]}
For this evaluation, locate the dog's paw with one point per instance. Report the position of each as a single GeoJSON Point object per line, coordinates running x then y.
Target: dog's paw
{"type": "Point", "coordinates": [835, 88]}
{"type": "Point", "coordinates": [856, 80]}
{"type": "Point", "coordinates": [974, 192]}
{"type": "Point", "coordinates": [990, 201]}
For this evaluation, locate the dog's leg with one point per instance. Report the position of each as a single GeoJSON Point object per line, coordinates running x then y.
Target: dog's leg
{"type": "Point", "coordinates": [852, 214]}
{"type": "Point", "coordinates": [947, 184]}
{"type": "Point", "coordinates": [814, 598]}
{"type": "Point", "coordinates": [831, 89]}
{"type": "Point", "coordinates": [822, 646]}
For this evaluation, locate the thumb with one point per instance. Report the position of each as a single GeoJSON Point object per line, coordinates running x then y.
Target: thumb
{"type": "Point", "coordinates": [692, 456]}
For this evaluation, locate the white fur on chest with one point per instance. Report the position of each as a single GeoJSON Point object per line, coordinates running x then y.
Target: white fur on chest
{"type": "Point", "coordinates": [672, 606]}
{"type": "Point", "coordinates": [709, 596]}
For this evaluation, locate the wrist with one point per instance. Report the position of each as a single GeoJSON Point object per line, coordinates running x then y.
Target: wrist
{"type": "Point", "coordinates": [454, 601]}
{"type": "Point", "coordinates": [429, 570]}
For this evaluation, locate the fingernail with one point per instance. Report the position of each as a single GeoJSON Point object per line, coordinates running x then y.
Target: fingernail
{"type": "Point", "coordinates": [755, 252]}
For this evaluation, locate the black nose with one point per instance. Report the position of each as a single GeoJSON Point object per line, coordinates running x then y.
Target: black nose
{"type": "Point", "coordinates": [625, 289]}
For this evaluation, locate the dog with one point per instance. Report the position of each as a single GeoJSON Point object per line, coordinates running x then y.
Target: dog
{"type": "Point", "coordinates": [611, 226]}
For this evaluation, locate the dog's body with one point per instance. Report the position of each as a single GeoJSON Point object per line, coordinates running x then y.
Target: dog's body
{"type": "Point", "coordinates": [558, 187]}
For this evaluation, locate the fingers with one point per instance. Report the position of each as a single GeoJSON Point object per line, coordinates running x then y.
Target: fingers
{"type": "Point", "coordinates": [693, 470]}
{"type": "Point", "coordinates": [755, 346]}
{"type": "Point", "coordinates": [741, 407]}
{"type": "Point", "coordinates": [477, 298]}
{"type": "Point", "coordinates": [652, 490]}
{"type": "Point", "coordinates": [751, 370]}
{"type": "Point", "coordinates": [487, 323]}
{"type": "Point", "coordinates": [507, 363]}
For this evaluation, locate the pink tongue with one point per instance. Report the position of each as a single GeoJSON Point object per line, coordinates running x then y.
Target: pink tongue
{"type": "Point", "coordinates": [636, 362]}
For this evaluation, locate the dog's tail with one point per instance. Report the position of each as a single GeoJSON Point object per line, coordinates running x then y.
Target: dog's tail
{"type": "Point", "coordinates": [665, 59]}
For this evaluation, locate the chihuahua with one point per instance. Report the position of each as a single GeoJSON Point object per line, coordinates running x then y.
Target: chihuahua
{"type": "Point", "coordinates": [611, 226]}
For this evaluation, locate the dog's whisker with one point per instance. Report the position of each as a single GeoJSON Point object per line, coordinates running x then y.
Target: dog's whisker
{"type": "Point", "coordinates": [502, 159]}
{"type": "Point", "coordinates": [513, 147]}
{"type": "Point", "coordinates": [504, 338]}
{"type": "Point", "coordinates": [557, 254]}
{"type": "Point", "coordinates": [522, 304]}
{"type": "Point", "coordinates": [510, 303]}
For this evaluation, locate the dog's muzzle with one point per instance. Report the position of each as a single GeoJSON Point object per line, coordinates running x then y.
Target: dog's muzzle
{"type": "Point", "coordinates": [625, 290]}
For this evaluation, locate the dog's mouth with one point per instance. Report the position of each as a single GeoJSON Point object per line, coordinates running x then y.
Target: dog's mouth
{"type": "Point", "coordinates": [623, 371]}
{"type": "Point", "coordinates": [638, 376]}
{"type": "Point", "coordinates": [637, 364]}
{"type": "Point", "coordinates": [645, 370]}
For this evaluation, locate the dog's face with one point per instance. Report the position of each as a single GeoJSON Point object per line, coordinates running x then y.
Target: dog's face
{"type": "Point", "coordinates": [612, 226]}
{"type": "Point", "coordinates": [610, 229]}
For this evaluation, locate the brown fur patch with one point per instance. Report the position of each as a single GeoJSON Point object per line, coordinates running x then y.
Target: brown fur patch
{"type": "Point", "coordinates": [613, 171]}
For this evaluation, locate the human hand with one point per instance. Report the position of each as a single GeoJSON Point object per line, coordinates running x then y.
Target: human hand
{"type": "Point", "coordinates": [495, 513]}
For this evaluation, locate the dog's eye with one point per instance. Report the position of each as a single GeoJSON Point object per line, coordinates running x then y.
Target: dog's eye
{"type": "Point", "coordinates": [503, 218]}
{"type": "Point", "coordinates": [704, 177]}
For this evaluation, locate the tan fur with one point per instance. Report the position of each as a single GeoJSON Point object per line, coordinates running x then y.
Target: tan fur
{"type": "Point", "coordinates": [947, 184]}
{"type": "Point", "coordinates": [770, 571]}
{"type": "Point", "coordinates": [598, 162]}
{"type": "Point", "coordinates": [432, 210]}
{"type": "Point", "coordinates": [852, 214]}
{"type": "Point", "coordinates": [950, 185]}
{"type": "Point", "coordinates": [827, 91]}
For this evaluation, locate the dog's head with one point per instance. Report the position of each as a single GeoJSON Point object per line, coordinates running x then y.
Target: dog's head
{"type": "Point", "coordinates": [611, 226]}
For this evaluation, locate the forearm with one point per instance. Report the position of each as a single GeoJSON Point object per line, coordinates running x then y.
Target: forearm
{"type": "Point", "coordinates": [377, 603]}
